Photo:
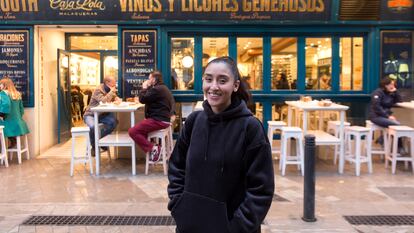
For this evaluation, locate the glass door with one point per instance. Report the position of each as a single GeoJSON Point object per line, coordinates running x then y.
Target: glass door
{"type": "Point", "coordinates": [64, 98]}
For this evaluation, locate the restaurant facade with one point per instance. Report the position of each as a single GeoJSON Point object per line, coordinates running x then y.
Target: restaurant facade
{"type": "Point", "coordinates": [335, 50]}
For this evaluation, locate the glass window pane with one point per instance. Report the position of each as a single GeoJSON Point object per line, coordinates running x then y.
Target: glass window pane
{"type": "Point", "coordinates": [279, 111]}
{"type": "Point", "coordinates": [284, 63]}
{"type": "Point", "coordinates": [213, 48]}
{"type": "Point", "coordinates": [351, 53]}
{"type": "Point", "coordinates": [250, 61]}
{"type": "Point", "coordinates": [182, 111]}
{"type": "Point", "coordinates": [318, 63]}
{"type": "Point", "coordinates": [88, 42]}
{"type": "Point", "coordinates": [182, 63]}
{"type": "Point", "coordinates": [397, 60]}
{"type": "Point", "coordinates": [257, 109]}
{"type": "Point", "coordinates": [84, 68]}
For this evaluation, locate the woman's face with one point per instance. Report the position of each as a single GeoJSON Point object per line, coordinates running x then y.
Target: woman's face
{"type": "Point", "coordinates": [1, 86]}
{"type": "Point", "coordinates": [218, 85]}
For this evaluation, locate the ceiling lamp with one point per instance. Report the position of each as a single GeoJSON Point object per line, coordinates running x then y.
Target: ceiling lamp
{"type": "Point", "coordinates": [188, 62]}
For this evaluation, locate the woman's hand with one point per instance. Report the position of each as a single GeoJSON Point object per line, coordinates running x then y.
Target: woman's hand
{"type": "Point", "coordinates": [392, 118]}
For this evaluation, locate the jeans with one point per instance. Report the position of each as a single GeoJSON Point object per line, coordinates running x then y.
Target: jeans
{"type": "Point", "coordinates": [384, 122]}
{"type": "Point", "coordinates": [109, 121]}
{"type": "Point", "coordinates": [139, 132]}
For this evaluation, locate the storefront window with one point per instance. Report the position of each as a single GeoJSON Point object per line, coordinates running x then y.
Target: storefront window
{"type": "Point", "coordinates": [250, 61]}
{"type": "Point", "coordinates": [397, 60]}
{"type": "Point", "coordinates": [257, 109]}
{"type": "Point", "coordinates": [284, 63]}
{"type": "Point", "coordinates": [279, 111]}
{"type": "Point", "coordinates": [213, 48]}
{"type": "Point", "coordinates": [318, 63]}
{"type": "Point", "coordinates": [182, 63]}
{"type": "Point", "coordinates": [93, 42]}
{"type": "Point", "coordinates": [351, 53]}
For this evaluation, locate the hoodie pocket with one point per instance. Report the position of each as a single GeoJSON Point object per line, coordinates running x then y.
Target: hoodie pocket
{"type": "Point", "coordinates": [197, 213]}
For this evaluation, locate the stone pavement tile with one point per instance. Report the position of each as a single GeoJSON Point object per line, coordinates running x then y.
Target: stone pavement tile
{"type": "Point", "coordinates": [44, 229]}
{"type": "Point", "coordinates": [14, 230]}
{"type": "Point", "coordinates": [78, 229]}
{"type": "Point", "coordinates": [27, 229]}
{"type": "Point", "coordinates": [60, 229]}
{"type": "Point", "coordinates": [156, 229]}
{"type": "Point", "coordinates": [149, 208]}
{"type": "Point", "coordinates": [385, 229]}
{"type": "Point", "coordinates": [11, 221]}
{"type": "Point", "coordinates": [288, 217]}
{"type": "Point", "coordinates": [104, 209]}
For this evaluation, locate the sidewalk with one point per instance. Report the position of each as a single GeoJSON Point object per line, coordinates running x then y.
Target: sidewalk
{"type": "Point", "coordinates": [42, 186]}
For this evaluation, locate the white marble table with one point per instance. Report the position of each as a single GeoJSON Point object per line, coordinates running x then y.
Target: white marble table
{"type": "Point", "coordinates": [116, 138]}
{"type": "Point", "coordinates": [321, 137]}
{"type": "Point", "coordinates": [409, 105]}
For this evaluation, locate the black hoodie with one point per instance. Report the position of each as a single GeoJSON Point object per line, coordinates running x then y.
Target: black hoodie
{"type": "Point", "coordinates": [221, 173]}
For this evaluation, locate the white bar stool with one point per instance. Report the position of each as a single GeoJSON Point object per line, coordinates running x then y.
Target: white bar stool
{"type": "Point", "coordinates": [19, 150]}
{"type": "Point", "coordinates": [3, 154]}
{"type": "Point", "coordinates": [272, 126]}
{"type": "Point", "coordinates": [358, 156]}
{"type": "Point", "coordinates": [161, 135]}
{"type": "Point", "coordinates": [395, 132]}
{"type": "Point", "coordinates": [285, 159]}
{"type": "Point", "coordinates": [170, 142]}
{"type": "Point", "coordinates": [373, 127]}
{"type": "Point", "coordinates": [101, 125]}
{"type": "Point", "coordinates": [86, 157]}
{"type": "Point", "coordinates": [333, 128]}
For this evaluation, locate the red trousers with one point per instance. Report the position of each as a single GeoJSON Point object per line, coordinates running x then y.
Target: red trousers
{"type": "Point", "coordinates": [140, 132]}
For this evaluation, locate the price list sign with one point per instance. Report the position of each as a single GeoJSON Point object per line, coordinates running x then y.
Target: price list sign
{"type": "Point", "coordinates": [138, 59]}
{"type": "Point", "coordinates": [14, 59]}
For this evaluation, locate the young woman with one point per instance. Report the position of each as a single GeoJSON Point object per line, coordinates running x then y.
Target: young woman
{"type": "Point", "coordinates": [13, 123]}
{"type": "Point", "coordinates": [221, 171]}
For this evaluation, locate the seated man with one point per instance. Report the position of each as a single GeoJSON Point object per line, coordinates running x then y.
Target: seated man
{"type": "Point", "coordinates": [105, 93]}
{"type": "Point", "coordinates": [159, 107]}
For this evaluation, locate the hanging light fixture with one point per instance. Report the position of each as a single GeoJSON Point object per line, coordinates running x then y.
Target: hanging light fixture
{"type": "Point", "coordinates": [188, 61]}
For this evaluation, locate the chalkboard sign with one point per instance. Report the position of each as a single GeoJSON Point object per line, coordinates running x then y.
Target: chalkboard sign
{"type": "Point", "coordinates": [139, 58]}
{"type": "Point", "coordinates": [14, 60]}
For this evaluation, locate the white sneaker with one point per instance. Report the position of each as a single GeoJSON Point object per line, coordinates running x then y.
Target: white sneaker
{"type": "Point", "coordinates": [155, 153]}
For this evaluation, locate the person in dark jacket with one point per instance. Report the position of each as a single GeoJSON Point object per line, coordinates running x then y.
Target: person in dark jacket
{"type": "Point", "coordinates": [382, 100]}
{"type": "Point", "coordinates": [220, 175]}
{"type": "Point", "coordinates": [281, 82]}
{"type": "Point", "coordinates": [159, 107]}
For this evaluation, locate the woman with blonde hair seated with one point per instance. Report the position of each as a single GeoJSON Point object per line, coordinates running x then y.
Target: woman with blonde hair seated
{"type": "Point", "coordinates": [14, 125]}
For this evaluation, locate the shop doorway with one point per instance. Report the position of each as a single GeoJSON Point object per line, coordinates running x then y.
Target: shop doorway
{"type": "Point", "coordinates": [81, 68]}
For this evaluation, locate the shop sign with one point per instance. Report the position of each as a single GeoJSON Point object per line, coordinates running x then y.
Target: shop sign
{"type": "Point", "coordinates": [142, 10]}
{"type": "Point", "coordinates": [14, 59]}
{"type": "Point", "coordinates": [139, 58]}
{"type": "Point", "coordinates": [397, 59]}
{"type": "Point", "coordinates": [402, 10]}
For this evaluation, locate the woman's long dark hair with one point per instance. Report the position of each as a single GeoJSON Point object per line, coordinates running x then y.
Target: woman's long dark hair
{"type": "Point", "coordinates": [242, 92]}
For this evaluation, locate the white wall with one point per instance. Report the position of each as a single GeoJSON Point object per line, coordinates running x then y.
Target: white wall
{"type": "Point", "coordinates": [47, 41]}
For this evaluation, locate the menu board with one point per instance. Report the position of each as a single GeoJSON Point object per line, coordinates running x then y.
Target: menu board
{"type": "Point", "coordinates": [14, 60]}
{"type": "Point", "coordinates": [139, 57]}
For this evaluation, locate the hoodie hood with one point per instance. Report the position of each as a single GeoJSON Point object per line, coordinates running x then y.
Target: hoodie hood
{"type": "Point", "coordinates": [237, 108]}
